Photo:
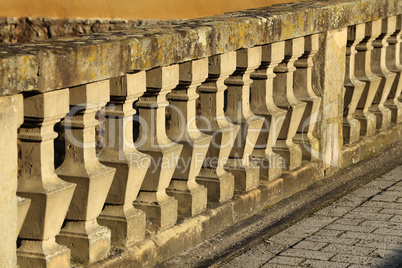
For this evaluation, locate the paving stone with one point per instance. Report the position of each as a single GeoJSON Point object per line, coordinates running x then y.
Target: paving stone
{"type": "Point", "coordinates": [332, 239]}
{"type": "Point", "coordinates": [335, 211]}
{"type": "Point", "coordinates": [284, 239]}
{"type": "Point", "coordinates": [312, 245]}
{"type": "Point", "coordinates": [318, 221]}
{"type": "Point", "coordinates": [276, 246]}
{"type": "Point", "coordinates": [387, 231]}
{"type": "Point", "coordinates": [367, 209]}
{"type": "Point", "coordinates": [397, 218]}
{"type": "Point", "coordinates": [350, 201]}
{"type": "Point", "coordinates": [372, 237]}
{"type": "Point", "coordinates": [380, 245]}
{"type": "Point", "coordinates": [310, 254]}
{"type": "Point", "coordinates": [380, 204]}
{"type": "Point", "coordinates": [347, 249]}
{"type": "Point", "coordinates": [353, 259]}
{"type": "Point", "coordinates": [381, 224]}
{"type": "Point", "coordinates": [366, 192]}
{"type": "Point", "coordinates": [286, 260]}
{"type": "Point", "coordinates": [325, 232]}
{"type": "Point", "coordinates": [349, 221]}
{"type": "Point", "coordinates": [275, 265]}
{"type": "Point", "coordinates": [300, 230]}
{"type": "Point", "coordinates": [392, 211]}
{"type": "Point", "coordinates": [369, 216]}
{"type": "Point", "coordinates": [320, 264]}
{"type": "Point", "coordinates": [379, 184]}
{"type": "Point", "coordinates": [386, 197]}
{"type": "Point", "coordinates": [395, 188]}
{"type": "Point", "coordinates": [354, 228]}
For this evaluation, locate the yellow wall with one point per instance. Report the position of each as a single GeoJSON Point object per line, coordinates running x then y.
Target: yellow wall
{"type": "Point", "coordinates": [126, 9]}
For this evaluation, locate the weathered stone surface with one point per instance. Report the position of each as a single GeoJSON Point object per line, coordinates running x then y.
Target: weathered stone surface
{"type": "Point", "coordinates": [330, 62]}
{"type": "Point", "coordinates": [73, 61]}
{"type": "Point", "coordinates": [10, 119]}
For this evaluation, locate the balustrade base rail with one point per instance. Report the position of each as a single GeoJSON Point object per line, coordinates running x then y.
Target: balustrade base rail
{"type": "Point", "coordinates": [159, 247]}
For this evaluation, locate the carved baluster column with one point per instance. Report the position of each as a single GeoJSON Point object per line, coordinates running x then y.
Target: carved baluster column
{"type": "Point", "coordinates": [89, 242]}
{"type": "Point", "coordinates": [262, 104]}
{"type": "Point", "coordinates": [161, 209]}
{"type": "Point", "coordinates": [191, 196]}
{"type": "Point", "coordinates": [246, 173]}
{"type": "Point", "coordinates": [353, 87]}
{"type": "Point", "coordinates": [126, 223]}
{"type": "Point", "coordinates": [50, 196]}
{"type": "Point", "coordinates": [393, 61]}
{"type": "Point", "coordinates": [379, 67]}
{"type": "Point", "coordinates": [220, 184]}
{"type": "Point", "coordinates": [303, 90]}
{"type": "Point", "coordinates": [364, 73]}
{"type": "Point", "coordinates": [284, 98]}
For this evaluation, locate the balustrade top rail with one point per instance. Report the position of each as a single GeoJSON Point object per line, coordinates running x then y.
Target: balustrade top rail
{"type": "Point", "coordinates": [65, 62]}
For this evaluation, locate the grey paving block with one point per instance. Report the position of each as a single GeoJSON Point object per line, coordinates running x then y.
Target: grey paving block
{"type": "Point", "coordinates": [326, 233]}
{"type": "Point", "coordinates": [373, 237]}
{"type": "Point", "coordinates": [354, 228]}
{"type": "Point", "coordinates": [312, 245]}
{"type": "Point", "coordinates": [308, 254]}
{"type": "Point", "coordinates": [350, 221]}
{"type": "Point", "coordinates": [381, 224]}
{"type": "Point", "coordinates": [317, 221]}
{"type": "Point", "coordinates": [334, 211]}
{"type": "Point", "coordinates": [353, 259]}
{"type": "Point", "coordinates": [369, 216]}
{"type": "Point", "coordinates": [364, 209]}
{"type": "Point", "coordinates": [347, 249]}
{"type": "Point", "coordinates": [286, 260]}
{"type": "Point", "coordinates": [321, 264]}
{"type": "Point", "coordinates": [332, 239]}
{"type": "Point", "coordinates": [381, 204]}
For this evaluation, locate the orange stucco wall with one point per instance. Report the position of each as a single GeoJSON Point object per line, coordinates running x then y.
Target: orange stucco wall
{"type": "Point", "coordinates": [126, 9]}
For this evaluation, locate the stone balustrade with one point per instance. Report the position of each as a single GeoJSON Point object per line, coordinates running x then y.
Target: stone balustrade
{"type": "Point", "coordinates": [257, 111]}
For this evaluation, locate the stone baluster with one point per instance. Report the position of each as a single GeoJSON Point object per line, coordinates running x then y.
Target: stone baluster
{"type": "Point", "coordinates": [126, 223]}
{"type": "Point", "coordinates": [246, 173]}
{"type": "Point", "coordinates": [160, 208]}
{"type": "Point", "coordinates": [89, 242]}
{"type": "Point", "coordinates": [285, 98]}
{"type": "Point", "coordinates": [50, 196]}
{"type": "Point", "coordinates": [353, 87]}
{"type": "Point", "coordinates": [191, 196]}
{"type": "Point", "coordinates": [262, 104]}
{"type": "Point", "coordinates": [303, 91]}
{"type": "Point", "coordinates": [220, 184]}
{"type": "Point", "coordinates": [379, 67]}
{"type": "Point", "coordinates": [393, 61]}
{"type": "Point", "coordinates": [364, 73]}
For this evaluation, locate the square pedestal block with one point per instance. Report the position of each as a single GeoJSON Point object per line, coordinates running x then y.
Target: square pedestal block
{"type": "Point", "coordinates": [47, 254]}
{"type": "Point", "coordinates": [127, 227]}
{"type": "Point", "coordinates": [190, 203]}
{"type": "Point", "coordinates": [160, 215]}
{"type": "Point", "coordinates": [220, 188]}
{"type": "Point", "coordinates": [88, 244]}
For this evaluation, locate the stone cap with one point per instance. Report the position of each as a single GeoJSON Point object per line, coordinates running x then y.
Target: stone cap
{"type": "Point", "coordinates": [66, 62]}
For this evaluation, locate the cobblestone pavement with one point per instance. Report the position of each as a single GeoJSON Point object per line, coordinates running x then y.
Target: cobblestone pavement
{"type": "Point", "coordinates": [362, 229]}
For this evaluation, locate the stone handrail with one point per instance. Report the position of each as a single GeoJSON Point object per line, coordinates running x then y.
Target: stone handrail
{"type": "Point", "coordinates": [65, 62]}
{"type": "Point", "coordinates": [232, 112]}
